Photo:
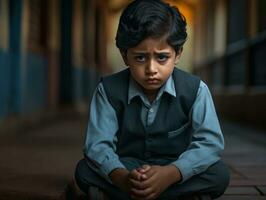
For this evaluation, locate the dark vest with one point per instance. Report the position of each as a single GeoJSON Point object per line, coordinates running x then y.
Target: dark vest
{"type": "Point", "coordinates": [168, 136]}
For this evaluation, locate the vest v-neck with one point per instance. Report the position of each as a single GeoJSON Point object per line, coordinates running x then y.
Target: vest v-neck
{"type": "Point", "coordinates": [151, 126]}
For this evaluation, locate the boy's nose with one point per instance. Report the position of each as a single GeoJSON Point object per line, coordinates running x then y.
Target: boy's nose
{"type": "Point", "coordinates": [151, 68]}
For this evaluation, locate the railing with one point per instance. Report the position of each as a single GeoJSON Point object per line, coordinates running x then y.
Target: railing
{"type": "Point", "coordinates": [243, 66]}
{"type": "Point", "coordinates": [238, 81]}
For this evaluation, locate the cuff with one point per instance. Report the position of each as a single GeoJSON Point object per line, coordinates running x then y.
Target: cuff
{"type": "Point", "coordinates": [109, 165]}
{"type": "Point", "coordinates": [185, 169]}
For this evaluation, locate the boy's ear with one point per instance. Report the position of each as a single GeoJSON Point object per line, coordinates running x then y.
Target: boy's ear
{"type": "Point", "coordinates": [124, 56]}
{"type": "Point", "coordinates": [178, 55]}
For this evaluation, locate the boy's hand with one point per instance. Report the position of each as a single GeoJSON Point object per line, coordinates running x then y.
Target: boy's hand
{"type": "Point", "coordinates": [120, 178]}
{"type": "Point", "coordinates": [154, 181]}
{"type": "Point", "coordinates": [143, 170]}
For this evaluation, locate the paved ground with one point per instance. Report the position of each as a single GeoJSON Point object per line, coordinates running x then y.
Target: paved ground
{"type": "Point", "coordinates": [245, 154]}
{"type": "Point", "coordinates": [38, 164]}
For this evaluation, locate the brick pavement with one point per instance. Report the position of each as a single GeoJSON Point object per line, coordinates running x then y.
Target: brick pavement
{"type": "Point", "coordinates": [38, 164]}
{"type": "Point", "coordinates": [245, 154]}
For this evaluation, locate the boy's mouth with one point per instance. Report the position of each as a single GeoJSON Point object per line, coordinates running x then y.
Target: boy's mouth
{"type": "Point", "coordinates": [152, 81]}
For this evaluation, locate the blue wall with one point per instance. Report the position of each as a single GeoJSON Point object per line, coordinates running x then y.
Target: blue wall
{"type": "Point", "coordinates": [23, 88]}
{"type": "Point", "coordinates": [84, 82]}
{"type": "Point", "coordinates": [5, 80]}
{"type": "Point", "coordinates": [77, 83]}
{"type": "Point", "coordinates": [23, 75]}
{"type": "Point", "coordinates": [23, 84]}
{"type": "Point", "coordinates": [9, 83]}
{"type": "Point", "coordinates": [33, 84]}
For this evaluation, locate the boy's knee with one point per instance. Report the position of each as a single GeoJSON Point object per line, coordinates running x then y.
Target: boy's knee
{"type": "Point", "coordinates": [80, 175]}
{"type": "Point", "coordinates": [219, 177]}
{"type": "Point", "coordinates": [79, 169]}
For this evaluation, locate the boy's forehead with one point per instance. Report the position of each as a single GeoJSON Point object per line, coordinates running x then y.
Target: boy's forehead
{"type": "Point", "coordinates": [152, 44]}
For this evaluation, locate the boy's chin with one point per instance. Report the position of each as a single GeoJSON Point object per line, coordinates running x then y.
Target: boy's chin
{"type": "Point", "coordinates": [152, 88]}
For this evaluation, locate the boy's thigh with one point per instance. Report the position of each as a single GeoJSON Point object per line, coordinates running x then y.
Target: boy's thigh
{"type": "Point", "coordinates": [213, 181]}
{"type": "Point", "coordinates": [86, 175]}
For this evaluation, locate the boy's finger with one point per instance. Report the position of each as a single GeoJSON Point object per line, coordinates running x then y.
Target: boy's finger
{"type": "Point", "coordinates": [137, 184]}
{"type": "Point", "coordinates": [141, 193]}
{"type": "Point", "coordinates": [145, 168]}
{"type": "Point", "coordinates": [139, 169]}
{"type": "Point", "coordinates": [134, 174]}
{"type": "Point", "coordinates": [143, 184]}
{"type": "Point", "coordinates": [148, 174]}
{"type": "Point", "coordinates": [144, 177]}
{"type": "Point", "coordinates": [149, 181]}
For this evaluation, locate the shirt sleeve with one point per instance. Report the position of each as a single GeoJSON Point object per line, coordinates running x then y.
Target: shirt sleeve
{"type": "Point", "coordinates": [100, 142]}
{"type": "Point", "coordinates": [207, 140]}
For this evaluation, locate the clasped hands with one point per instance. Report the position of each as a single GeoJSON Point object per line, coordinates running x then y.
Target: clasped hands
{"type": "Point", "coordinates": [146, 182]}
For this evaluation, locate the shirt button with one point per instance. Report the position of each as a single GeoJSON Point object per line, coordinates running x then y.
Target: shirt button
{"type": "Point", "coordinates": [151, 110]}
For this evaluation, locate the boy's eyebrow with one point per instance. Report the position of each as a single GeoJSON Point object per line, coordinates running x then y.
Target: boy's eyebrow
{"type": "Point", "coordinates": [144, 52]}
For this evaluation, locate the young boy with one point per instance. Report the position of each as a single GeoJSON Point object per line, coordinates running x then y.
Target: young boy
{"type": "Point", "coordinates": [153, 132]}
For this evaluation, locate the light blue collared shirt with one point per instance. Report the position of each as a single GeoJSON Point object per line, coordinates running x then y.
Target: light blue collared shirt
{"type": "Point", "coordinates": [206, 143]}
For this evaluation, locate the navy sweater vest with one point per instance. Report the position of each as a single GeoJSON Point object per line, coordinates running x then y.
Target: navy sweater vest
{"type": "Point", "coordinates": [168, 136]}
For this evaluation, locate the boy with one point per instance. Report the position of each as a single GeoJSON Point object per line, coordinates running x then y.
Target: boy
{"type": "Point", "coordinates": [153, 131]}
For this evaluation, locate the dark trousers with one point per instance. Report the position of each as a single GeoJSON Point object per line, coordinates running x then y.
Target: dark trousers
{"type": "Point", "coordinates": [213, 181]}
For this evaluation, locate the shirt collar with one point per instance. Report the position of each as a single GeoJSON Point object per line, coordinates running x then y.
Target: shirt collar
{"type": "Point", "coordinates": [135, 89]}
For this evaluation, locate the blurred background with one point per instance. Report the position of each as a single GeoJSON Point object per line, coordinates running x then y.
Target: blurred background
{"type": "Point", "coordinates": [52, 53]}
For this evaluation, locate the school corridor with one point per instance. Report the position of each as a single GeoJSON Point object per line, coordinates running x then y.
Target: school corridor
{"type": "Point", "coordinates": [39, 162]}
{"type": "Point", "coordinates": [52, 54]}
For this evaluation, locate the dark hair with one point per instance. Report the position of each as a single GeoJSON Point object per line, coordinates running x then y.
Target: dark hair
{"type": "Point", "coordinates": [150, 18]}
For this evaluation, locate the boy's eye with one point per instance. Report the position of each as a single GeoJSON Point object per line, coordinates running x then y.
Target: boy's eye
{"type": "Point", "coordinates": [162, 57]}
{"type": "Point", "coordinates": [140, 58]}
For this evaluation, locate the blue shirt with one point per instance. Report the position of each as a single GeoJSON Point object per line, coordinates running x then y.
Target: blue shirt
{"type": "Point", "coordinates": [206, 142]}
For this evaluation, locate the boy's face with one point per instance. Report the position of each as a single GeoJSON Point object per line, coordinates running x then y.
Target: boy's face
{"type": "Point", "coordinates": [151, 63]}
